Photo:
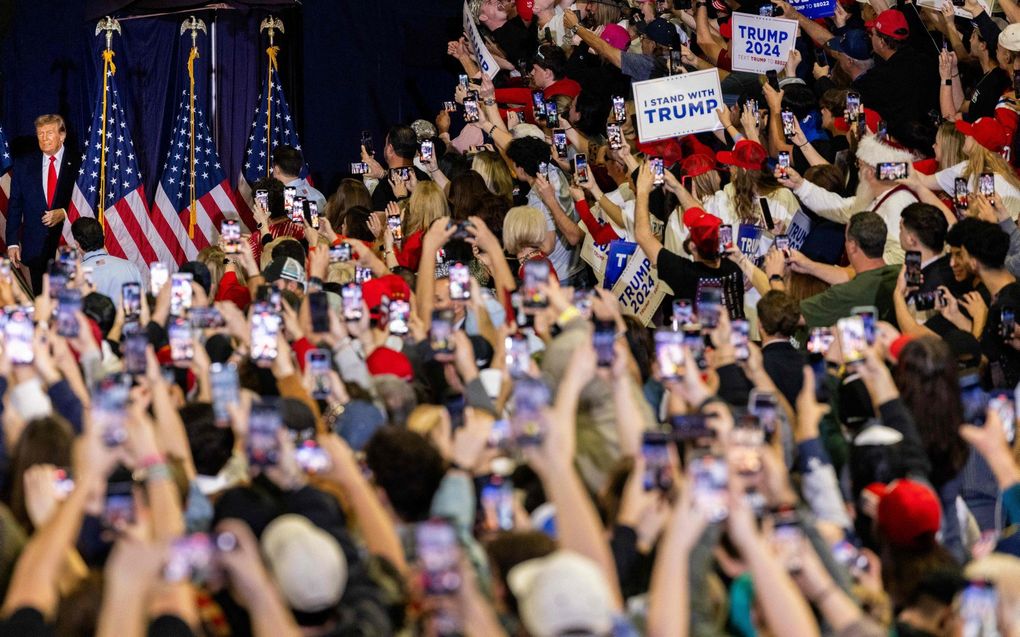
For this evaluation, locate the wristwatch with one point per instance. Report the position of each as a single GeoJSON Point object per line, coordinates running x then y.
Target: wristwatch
{"type": "Point", "coordinates": [776, 277]}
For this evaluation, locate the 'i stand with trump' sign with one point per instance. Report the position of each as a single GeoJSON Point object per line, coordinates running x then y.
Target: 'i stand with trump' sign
{"type": "Point", "coordinates": [677, 105]}
{"type": "Point", "coordinates": [760, 43]}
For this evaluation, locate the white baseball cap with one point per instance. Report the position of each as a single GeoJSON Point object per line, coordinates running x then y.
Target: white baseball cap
{"type": "Point", "coordinates": [307, 563]}
{"type": "Point", "coordinates": [561, 592]}
{"type": "Point", "coordinates": [1009, 38]}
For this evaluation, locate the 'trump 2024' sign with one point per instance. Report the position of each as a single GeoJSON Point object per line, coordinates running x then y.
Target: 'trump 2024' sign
{"type": "Point", "coordinates": [677, 105]}
{"type": "Point", "coordinates": [761, 44]}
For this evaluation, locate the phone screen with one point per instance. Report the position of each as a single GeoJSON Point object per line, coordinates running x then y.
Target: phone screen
{"type": "Point", "coordinates": [439, 555]}
{"type": "Point", "coordinates": [658, 171]}
{"type": "Point", "coordinates": [725, 238]}
{"type": "Point", "coordinates": [319, 365]}
{"type": "Point", "coordinates": [225, 388]}
{"type": "Point", "coordinates": [538, 102]}
{"type": "Point", "coordinates": [528, 423]}
{"type": "Point", "coordinates": [289, 194]}
{"type": "Point", "coordinates": [230, 233]}
{"type": "Point", "coordinates": [961, 192]}
{"type": "Point", "coordinates": [119, 508]}
{"type": "Point", "coordinates": [427, 150]}
{"type": "Point", "coordinates": [340, 252]}
{"type": "Point", "coordinates": [709, 477]}
{"type": "Point", "coordinates": [782, 243]}
{"type": "Point", "coordinates": [265, 325]}
{"type": "Point", "coordinates": [318, 310]}
{"type": "Point", "coordinates": [180, 293]}
{"type": "Point", "coordinates": [581, 167]}
{"type": "Point", "coordinates": [783, 159]}
{"type": "Point", "coordinates": [615, 136]}
{"type": "Point", "coordinates": [19, 332]}
{"type": "Point", "coordinates": [912, 260]}
{"type": "Point", "coordinates": [683, 313]}
{"type": "Point", "coordinates": [351, 302]}
{"type": "Point", "coordinates": [68, 307]}
{"type": "Point", "coordinates": [891, 171]}
{"type": "Point", "coordinates": [182, 344]}
{"type": "Point", "coordinates": [819, 340]}
{"type": "Point", "coordinates": [973, 399]}
{"type": "Point", "coordinates": [619, 109]}
{"type": "Point", "coordinates": [604, 341]}
{"type": "Point", "coordinates": [131, 300]}
{"type": "Point", "coordinates": [560, 142]}
{"type": "Point", "coordinates": [135, 344]}
{"type": "Point", "coordinates": [109, 398]}
{"type": "Point", "coordinates": [399, 313]}
{"type": "Point", "coordinates": [518, 355]}
{"type": "Point", "coordinates": [262, 197]}
{"type": "Point", "coordinates": [669, 352]}
{"type": "Point", "coordinates": [552, 113]}
{"type": "Point", "coordinates": [498, 504]}
{"type": "Point", "coordinates": [740, 338]}
{"type": "Point", "coordinates": [979, 604]}
{"type": "Point", "coordinates": [869, 316]}
{"type": "Point", "coordinates": [536, 272]}
{"type": "Point", "coordinates": [158, 276]}
{"type": "Point", "coordinates": [308, 455]}
{"type": "Point", "coordinates": [986, 184]}
{"type": "Point", "coordinates": [441, 331]}
{"type": "Point", "coordinates": [709, 304]}
{"type": "Point", "coordinates": [460, 282]}
{"type": "Point", "coordinates": [658, 468]}
{"type": "Point", "coordinates": [788, 119]}
{"type": "Point", "coordinates": [470, 110]}
{"type": "Point", "coordinates": [853, 107]}
{"type": "Point", "coordinates": [852, 338]}
{"type": "Point", "coordinates": [263, 426]}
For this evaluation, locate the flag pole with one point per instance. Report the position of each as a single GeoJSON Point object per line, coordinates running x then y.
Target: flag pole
{"type": "Point", "coordinates": [193, 25]}
{"type": "Point", "coordinates": [271, 24]}
{"type": "Point", "coordinates": [107, 25]}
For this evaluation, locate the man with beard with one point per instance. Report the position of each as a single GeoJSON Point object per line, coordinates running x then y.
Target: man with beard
{"type": "Point", "coordinates": [886, 198]}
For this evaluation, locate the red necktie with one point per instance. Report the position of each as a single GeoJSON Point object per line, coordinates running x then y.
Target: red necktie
{"type": "Point", "coordinates": [51, 181]}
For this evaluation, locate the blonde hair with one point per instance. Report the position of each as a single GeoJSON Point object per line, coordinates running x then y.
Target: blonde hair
{"type": "Point", "coordinates": [523, 227]}
{"type": "Point", "coordinates": [748, 186]}
{"type": "Point", "coordinates": [52, 118]}
{"type": "Point", "coordinates": [495, 172]}
{"type": "Point", "coordinates": [213, 258]}
{"type": "Point", "coordinates": [981, 160]}
{"type": "Point", "coordinates": [951, 144]}
{"type": "Point", "coordinates": [707, 183]}
{"type": "Point", "coordinates": [427, 203]}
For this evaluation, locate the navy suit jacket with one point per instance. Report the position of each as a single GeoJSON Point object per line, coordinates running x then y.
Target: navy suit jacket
{"type": "Point", "coordinates": [28, 203]}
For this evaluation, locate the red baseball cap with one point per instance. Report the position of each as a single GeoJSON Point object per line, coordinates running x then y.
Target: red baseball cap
{"type": "Point", "coordinates": [908, 513]}
{"type": "Point", "coordinates": [384, 360]}
{"type": "Point", "coordinates": [390, 286]}
{"type": "Point", "coordinates": [704, 229]}
{"type": "Point", "coordinates": [871, 120]}
{"type": "Point", "coordinates": [987, 131]}
{"type": "Point", "coordinates": [891, 23]}
{"type": "Point", "coordinates": [616, 36]}
{"type": "Point", "coordinates": [746, 154]}
{"type": "Point", "coordinates": [697, 164]}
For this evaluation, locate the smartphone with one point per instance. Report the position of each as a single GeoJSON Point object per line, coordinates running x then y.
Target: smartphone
{"type": "Point", "coordinates": [262, 196]}
{"type": "Point", "coordinates": [428, 149]}
{"type": "Point", "coordinates": [367, 142]}
{"type": "Point", "coordinates": [924, 301]}
{"type": "Point", "coordinates": [497, 498]}
{"type": "Point", "coordinates": [852, 338]}
{"type": "Point", "coordinates": [772, 77]}
{"type": "Point", "coordinates": [318, 312]}
{"type": "Point", "coordinates": [131, 301]}
{"type": "Point", "coordinates": [109, 399]}
{"type": "Point", "coordinates": [340, 252]}
{"type": "Point", "coordinates": [683, 313]}
{"type": "Point", "coordinates": [695, 344]}
{"type": "Point", "coordinates": [182, 342]}
{"type": "Point", "coordinates": [912, 274]}
{"type": "Point", "coordinates": [961, 192]}
{"type": "Point", "coordinates": [669, 352]}
{"type": "Point", "coordinates": [58, 278]}
{"type": "Point", "coordinates": [552, 114]}
{"type": "Point", "coordinates": [582, 301]}
{"type": "Point", "coordinates": [441, 331]}
{"type": "Point", "coordinates": [438, 554]}
{"type": "Point", "coordinates": [615, 136]}
{"type": "Point", "coordinates": [1002, 403]}
{"type": "Point", "coordinates": [204, 318]}
{"type": "Point", "coordinates": [604, 341]}
{"type": "Point", "coordinates": [265, 326]}
{"type": "Point", "coordinates": [676, 62]}
{"type": "Point", "coordinates": [63, 483]}
{"type": "Point", "coordinates": [986, 184]}
{"type": "Point", "coordinates": [527, 422]}
{"type": "Point", "coordinates": [788, 538]}
{"type": "Point", "coordinates": [973, 400]}
{"type": "Point", "coordinates": [820, 339]}
{"type": "Point", "coordinates": [709, 305]}
{"type": "Point", "coordinates": [782, 243]}
{"type": "Point", "coordinates": [559, 138]}
{"type": "Point", "coordinates": [783, 162]}
{"type": "Point", "coordinates": [399, 313]}
{"type": "Point", "coordinates": [289, 195]}
{"type": "Point", "coordinates": [230, 234]}
{"type": "Point", "coordinates": [658, 474]}
{"type": "Point", "coordinates": [450, 107]}
{"type": "Point", "coordinates": [788, 119]}
{"type": "Point", "coordinates": [297, 210]}
{"type": "Point", "coordinates": [740, 338]}
{"type": "Point", "coordinates": [869, 315]}
{"type": "Point", "coordinates": [746, 440]}
{"type": "Point", "coordinates": [852, 113]}
{"type": "Point", "coordinates": [308, 455]}
{"type": "Point", "coordinates": [351, 302]}
{"type": "Point", "coordinates": [765, 406]}
{"type": "Point", "coordinates": [725, 238]}
{"type": "Point", "coordinates": [460, 282]}
{"type": "Point", "coordinates": [709, 477]}
{"type": "Point", "coordinates": [19, 334]}
{"type": "Point", "coordinates": [619, 109]}
{"type": "Point", "coordinates": [313, 214]}
{"type": "Point", "coordinates": [883, 129]}
{"type": "Point", "coordinates": [536, 272]}
{"type": "Point", "coordinates": [581, 167]}
{"type": "Point", "coordinates": [538, 105]}
{"type": "Point", "coordinates": [689, 427]}
{"type": "Point", "coordinates": [658, 171]}
{"type": "Point", "coordinates": [820, 57]}
{"type": "Point", "coordinates": [225, 387]}
{"type": "Point", "coordinates": [470, 110]}
{"type": "Point", "coordinates": [180, 293]}
{"type": "Point", "coordinates": [119, 508]}
{"type": "Point", "coordinates": [158, 276]}
{"type": "Point", "coordinates": [359, 168]}
{"type": "Point", "coordinates": [136, 342]}
{"type": "Point", "coordinates": [891, 170]}
{"type": "Point", "coordinates": [68, 307]}
{"type": "Point", "coordinates": [1007, 322]}
{"type": "Point", "coordinates": [979, 607]}
{"type": "Point", "coordinates": [264, 422]}
{"type": "Point", "coordinates": [518, 355]}
{"type": "Point", "coordinates": [192, 558]}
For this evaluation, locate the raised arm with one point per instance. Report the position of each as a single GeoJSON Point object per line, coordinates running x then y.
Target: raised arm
{"type": "Point", "coordinates": [649, 243]}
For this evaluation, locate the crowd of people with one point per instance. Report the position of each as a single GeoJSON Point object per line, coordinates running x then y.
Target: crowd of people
{"type": "Point", "coordinates": [421, 405]}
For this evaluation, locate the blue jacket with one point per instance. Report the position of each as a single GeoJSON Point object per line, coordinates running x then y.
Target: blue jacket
{"type": "Point", "coordinates": [28, 202]}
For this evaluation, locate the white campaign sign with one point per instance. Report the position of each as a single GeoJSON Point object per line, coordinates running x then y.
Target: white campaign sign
{"type": "Point", "coordinates": [485, 60]}
{"type": "Point", "coordinates": [761, 43]}
{"type": "Point", "coordinates": [677, 105]}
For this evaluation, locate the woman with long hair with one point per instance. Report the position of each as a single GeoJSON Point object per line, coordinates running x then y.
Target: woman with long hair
{"type": "Point", "coordinates": [426, 204]}
{"type": "Point", "coordinates": [466, 193]}
{"type": "Point", "coordinates": [352, 192]}
{"type": "Point", "coordinates": [495, 173]}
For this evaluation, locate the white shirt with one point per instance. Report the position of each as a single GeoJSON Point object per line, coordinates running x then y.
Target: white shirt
{"type": "Point", "coordinates": [46, 169]}
{"type": "Point", "coordinates": [1009, 195]}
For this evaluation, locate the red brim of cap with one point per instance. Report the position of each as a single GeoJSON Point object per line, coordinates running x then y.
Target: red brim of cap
{"type": "Point", "coordinates": [730, 159]}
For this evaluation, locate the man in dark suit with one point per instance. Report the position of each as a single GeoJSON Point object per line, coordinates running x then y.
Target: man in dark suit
{"type": "Point", "coordinates": [778, 316]}
{"type": "Point", "coordinates": [41, 187]}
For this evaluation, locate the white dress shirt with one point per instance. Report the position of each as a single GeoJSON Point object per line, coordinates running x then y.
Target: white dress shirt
{"type": "Point", "coordinates": [46, 169]}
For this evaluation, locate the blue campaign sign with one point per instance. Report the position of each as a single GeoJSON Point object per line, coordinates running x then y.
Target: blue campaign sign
{"type": "Point", "coordinates": [749, 240]}
{"type": "Point", "coordinates": [620, 253]}
{"type": "Point", "coordinates": [814, 9]}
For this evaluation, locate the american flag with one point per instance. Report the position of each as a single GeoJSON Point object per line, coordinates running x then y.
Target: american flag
{"type": "Point", "coordinates": [129, 230]}
{"type": "Point", "coordinates": [213, 196]}
{"type": "Point", "coordinates": [5, 186]}
{"type": "Point", "coordinates": [260, 150]}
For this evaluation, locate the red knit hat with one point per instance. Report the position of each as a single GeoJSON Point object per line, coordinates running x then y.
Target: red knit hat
{"type": "Point", "coordinates": [704, 229]}
{"type": "Point", "coordinates": [908, 512]}
{"type": "Point", "coordinates": [387, 361]}
{"type": "Point", "coordinates": [746, 154]}
{"type": "Point", "coordinates": [987, 131]}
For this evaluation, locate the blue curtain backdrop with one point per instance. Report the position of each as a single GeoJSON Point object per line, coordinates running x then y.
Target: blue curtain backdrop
{"type": "Point", "coordinates": [346, 65]}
